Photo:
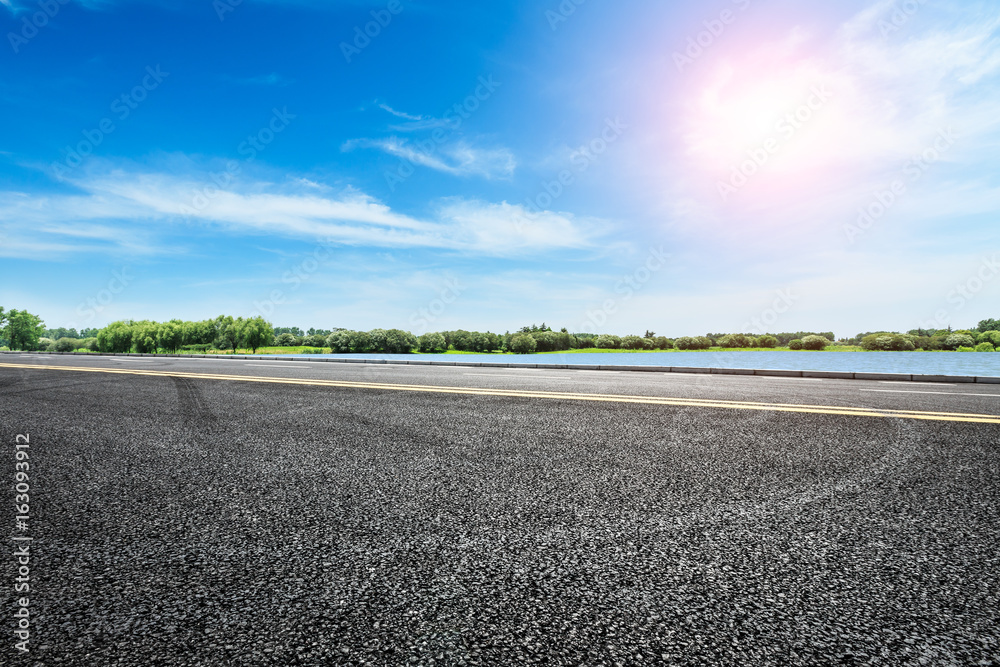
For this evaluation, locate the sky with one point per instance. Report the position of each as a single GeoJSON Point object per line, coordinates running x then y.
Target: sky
{"type": "Point", "coordinates": [721, 166]}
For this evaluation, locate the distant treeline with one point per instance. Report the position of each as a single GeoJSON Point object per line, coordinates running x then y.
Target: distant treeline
{"type": "Point", "coordinates": [967, 340]}
{"type": "Point", "coordinates": [21, 330]}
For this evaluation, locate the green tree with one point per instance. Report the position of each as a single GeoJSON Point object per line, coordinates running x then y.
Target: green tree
{"type": "Point", "coordinates": [957, 340]}
{"type": "Point", "coordinates": [992, 337]}
{"type": "Point", "coordinates": [116, 337]}
{"type": "Point", "coordinates": [985, 325]}
{"type": "Point", "coordinates": [545, 341]}
{"type": "Point", "coordinates": [663, 343]}
{"type": "Point", "coordinates": [23, 330]}
{"type": "Point", "coordinates": [889, 342]}
{"type": "Point", "coordinates": [285, 340]}
{"type": "Point", "coordinates": [608, 342]}
{"type": "Point", "coordinates": [258, 332]}
{"type": "Point", "coordinates": [632, 343]}
{"type": "Point", "coordinates": [738, 340]}
{"type": "Point", "coordinates": [170, 336]}
{"type": "Point", "coordinates": [767, 341]}
{"type": "Point", "coordinates": [523, 343]}
{"type": "Point", "coordinates": [432, 343]}
{"type": "Point", "coordinates": [228, 332]}
{"type": "Point", "coordinates": [397, 341]}
{"type": "Point", "coordinates": [144, 337]}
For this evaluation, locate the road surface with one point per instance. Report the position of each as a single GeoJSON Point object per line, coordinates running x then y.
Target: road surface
{"type": "Point", "coordinates": [192, 512]}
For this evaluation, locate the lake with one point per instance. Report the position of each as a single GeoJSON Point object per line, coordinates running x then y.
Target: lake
{"type": "Point", "coordinates": [923, 363]}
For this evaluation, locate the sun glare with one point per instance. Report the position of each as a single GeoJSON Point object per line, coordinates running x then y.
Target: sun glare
{"type": "Point", "coordinates": [767, 122]}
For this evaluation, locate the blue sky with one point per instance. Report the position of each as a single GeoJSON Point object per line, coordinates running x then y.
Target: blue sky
{"type": "Point", "coordinates": [738, 165]}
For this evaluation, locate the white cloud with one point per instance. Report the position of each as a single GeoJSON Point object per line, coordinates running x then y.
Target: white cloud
{"type": "Point", "coordinates": [458, 158]}
{"type": "Point", "coordinates": [399, 114]}
{"type": "Point", "coordinates": [125, 210]}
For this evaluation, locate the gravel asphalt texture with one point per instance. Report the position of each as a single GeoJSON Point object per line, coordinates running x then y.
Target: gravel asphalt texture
{"type": "Point", "coordinates": [181, 521]}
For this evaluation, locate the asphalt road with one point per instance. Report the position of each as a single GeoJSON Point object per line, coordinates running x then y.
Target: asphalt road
{"type": "Point", "coordinates": [311, 514]}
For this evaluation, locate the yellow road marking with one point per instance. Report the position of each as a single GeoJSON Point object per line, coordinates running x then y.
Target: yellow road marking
{"type": "Point", "coordinates": [517, 393]}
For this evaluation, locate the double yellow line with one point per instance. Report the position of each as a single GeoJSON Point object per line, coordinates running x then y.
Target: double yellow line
{"type": "Point", "coordinates": [551, 395]}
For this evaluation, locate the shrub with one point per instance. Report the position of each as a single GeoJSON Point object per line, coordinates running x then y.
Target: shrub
{"type": "Point", "coordinates": [889, 342]}
{"type": "Point", "coordinates": [523, 344]}
{"type": "Point", "coordinates": [985, 347]}
{"type": "Point", "coordinates": [64, 345]}
{"type": "Point", "coordinates": [957, 340]}
{"type": "Point", "coordinates": [316, 340]}
{"type": "Point", "coordinates": [684, 343]}
{"type": "Point", "coordinates": [689, 343]}
{"type": "Point", "coordinates": [202, 347]}
{"type": "Point", "coordinates": [963, 348]}
{"type": "Point", "coordinates": [767, 341]}
{"type": "Point", "coordinates": [633, 343]}
{"type": "Point", "coordinates": [815, 343]}
{"type": "Point", "coordinates": [663, 343]}
{"type": "Point", "coordinates": [88, 344]}
{"type": "Point", "coordinates": [795, 344]}
{"type": "Point", "coordinates": [285, 340]}
{"type": "Point", "coordinates": [608, 342]}
{"type": "Point", "coordinates": [312, 350]}
{"type": "Point", "coordinates": [45, 345]}
{"type": "Point", "coordinates": [341, 342]}
{"type": "Point", "coordinates": [738, 340]}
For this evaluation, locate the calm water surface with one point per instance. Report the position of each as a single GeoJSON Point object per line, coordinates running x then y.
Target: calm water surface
{"type": "Point", "coordinates": [925, 363]}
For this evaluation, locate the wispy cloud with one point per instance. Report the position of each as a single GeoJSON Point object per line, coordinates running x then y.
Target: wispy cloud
{"type": "Point", "coordinates": [398, 114]}
{"type": "Point", "coordinates": [457, 158]}
{"type": "Point", "coordinates": [126, 210]}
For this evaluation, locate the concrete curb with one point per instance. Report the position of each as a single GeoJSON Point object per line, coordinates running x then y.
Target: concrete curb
{"type": "Point", "coordinates": [827, 375]}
